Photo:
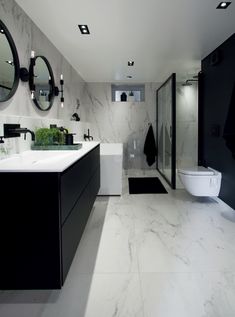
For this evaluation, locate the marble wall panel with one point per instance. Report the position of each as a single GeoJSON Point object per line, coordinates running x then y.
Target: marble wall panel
{"type": "Point", "coordinates": [186, 127]}
{"type": "Point", "coordinates": [125, 122]}
{"type": "Point", "coordinates": [20, 108]}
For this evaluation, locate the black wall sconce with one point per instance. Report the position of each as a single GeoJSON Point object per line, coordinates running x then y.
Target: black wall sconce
{"type": "Point", "coordinates": [24, 73]}
{"type": "Point", "coordinates": [57, 91]}
{"type": "Point", "coordinates": [31, 78]}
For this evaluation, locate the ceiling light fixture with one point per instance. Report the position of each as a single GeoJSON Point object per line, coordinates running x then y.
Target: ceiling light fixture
{"type": "Point", "coordinates": [130, 63]}
{"type": "Point", "coordinates": [83, 28]}
{"type": "Point", "coordinates": [223, 5]}
{"type": "Point", "coordinates": [2, 31]}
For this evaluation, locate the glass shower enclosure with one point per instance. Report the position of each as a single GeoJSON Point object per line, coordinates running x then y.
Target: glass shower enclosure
{"type": "Point", "coordinates": [166, 130]}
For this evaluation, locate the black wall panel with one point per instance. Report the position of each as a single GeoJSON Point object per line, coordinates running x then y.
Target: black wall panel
{"type": "Point", "coordinates": [216, 122]}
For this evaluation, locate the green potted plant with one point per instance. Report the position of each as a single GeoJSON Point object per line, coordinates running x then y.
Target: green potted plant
{"type": "Point", "coordinates": [45, 136]}
{"type": "Point", "coordinates": [52, 139]}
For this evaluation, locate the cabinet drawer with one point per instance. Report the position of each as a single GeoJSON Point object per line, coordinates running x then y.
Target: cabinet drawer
{"type": "Point", "coordinates": [74, 225]}
{"type": "Point", "coordinates": [95, 159]}
{"type": "Point", "coordinates": [75, 180]}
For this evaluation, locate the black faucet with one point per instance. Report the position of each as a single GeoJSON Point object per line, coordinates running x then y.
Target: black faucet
{"type": "Point", "coordinates": [88, 136]}
{"type": "Point", "coordinates": [24, 131]}
{"type": "Point", "coordinates": [62, 129]}
{"type": "Point", "coordinates": [14, 131]}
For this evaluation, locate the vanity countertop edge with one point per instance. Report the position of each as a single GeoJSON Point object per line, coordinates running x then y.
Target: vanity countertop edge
{"type": "Point", "coordinates": [49, 165]}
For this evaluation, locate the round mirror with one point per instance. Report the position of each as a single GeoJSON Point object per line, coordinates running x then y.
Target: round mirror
{"type": "Point", "coordinates": [41, 82]}
{"type": "Point", "coordinates": [9, 64]}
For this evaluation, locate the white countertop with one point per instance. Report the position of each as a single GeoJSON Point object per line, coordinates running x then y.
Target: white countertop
{"type": "Point", "coordinates": [45, 161]}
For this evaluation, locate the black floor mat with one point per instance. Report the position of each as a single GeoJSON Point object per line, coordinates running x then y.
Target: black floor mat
{"type": "Point", "coordinates": [146, 185]}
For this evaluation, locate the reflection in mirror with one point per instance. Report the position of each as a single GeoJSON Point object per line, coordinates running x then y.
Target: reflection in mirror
{"type": "Point", "coordinates": [42, 81]}
{"type": "Point", "coordinates": [9, 64]}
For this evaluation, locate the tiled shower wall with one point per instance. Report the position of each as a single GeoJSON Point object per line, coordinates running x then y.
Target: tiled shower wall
{"type": "Point", "coordinates": [186, 126]}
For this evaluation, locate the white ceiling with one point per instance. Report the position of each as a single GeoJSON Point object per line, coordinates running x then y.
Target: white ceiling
{"type": "Point", "coordinates": [161, 36]}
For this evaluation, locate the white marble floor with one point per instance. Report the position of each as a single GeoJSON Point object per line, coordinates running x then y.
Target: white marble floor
{"type": "Point", "coordinates": [162, 255]}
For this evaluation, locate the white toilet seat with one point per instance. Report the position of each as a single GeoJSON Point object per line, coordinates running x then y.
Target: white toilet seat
{"type": "Point", "coordinates": [197, 170]}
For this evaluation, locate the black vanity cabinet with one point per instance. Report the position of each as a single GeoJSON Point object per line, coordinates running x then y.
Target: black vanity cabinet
{"type": "Point", "coordinates": [42, 218]}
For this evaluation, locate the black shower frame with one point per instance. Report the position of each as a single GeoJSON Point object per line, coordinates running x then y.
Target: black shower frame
{"type": "Point", "coordinates": [172, 78]}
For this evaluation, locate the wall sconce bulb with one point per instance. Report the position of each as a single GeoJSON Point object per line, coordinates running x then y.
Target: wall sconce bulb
{"type": "Point", "coordinates": [62, 90]}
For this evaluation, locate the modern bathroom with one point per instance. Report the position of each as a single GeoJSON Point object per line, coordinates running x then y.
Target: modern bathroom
{"type": "Point", "coordinates": [117, 158]}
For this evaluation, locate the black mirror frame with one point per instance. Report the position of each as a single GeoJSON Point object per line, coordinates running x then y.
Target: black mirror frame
{"type": "Point", "coordinates": [32, 85]}
{"type": "Point", "coordinates": [16, 62]}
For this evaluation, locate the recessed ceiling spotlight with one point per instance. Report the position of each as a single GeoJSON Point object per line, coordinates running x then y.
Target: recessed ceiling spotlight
{"type": "Point", "coordinates": [130, 63]}
{"type": "Point", "coordinates": [129, 76]}
{"type": "Point", "coordinates": [2, 31]}
{"type": "Point", "coordinates": [83, 28]}
{"type": "Point", "coordinates": [223, 5]}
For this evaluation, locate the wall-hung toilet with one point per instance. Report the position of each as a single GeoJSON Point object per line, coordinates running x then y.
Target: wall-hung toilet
{"type": "Point", "coordinates": [201, 181]}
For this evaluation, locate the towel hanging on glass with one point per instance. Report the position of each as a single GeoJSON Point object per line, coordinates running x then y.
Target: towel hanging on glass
{"type": "Point", "coordinates": [150, 149]}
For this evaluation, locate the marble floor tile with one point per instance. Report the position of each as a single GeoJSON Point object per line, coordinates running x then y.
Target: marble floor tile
{"type": "Point", "coordinates": [174, 239]}
{"type": "Point", "coordinates": [83, 295]}
{"type": "Point", "coordinates": [115, 252]}
{"type": "Point", "coordinates": [188, 294]}
{"type": "Point", "coordinates": [119, 215]}
{"type": "Point", "coordinates": [108, 243]}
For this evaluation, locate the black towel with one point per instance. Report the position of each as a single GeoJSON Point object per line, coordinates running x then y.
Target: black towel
{"type": "Point", "coordinates": [150, 149]}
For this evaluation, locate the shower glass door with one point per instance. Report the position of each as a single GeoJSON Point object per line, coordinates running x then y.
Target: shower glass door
{"type": "Point", "coordinates": [166, 116]}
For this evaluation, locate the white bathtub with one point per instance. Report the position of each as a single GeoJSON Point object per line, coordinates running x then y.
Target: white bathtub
{"type": "Point", "coordinates": [111, 157]}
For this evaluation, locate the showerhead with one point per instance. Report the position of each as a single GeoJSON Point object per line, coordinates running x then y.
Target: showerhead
{"type": "Point", "coordinates": [188, 82]}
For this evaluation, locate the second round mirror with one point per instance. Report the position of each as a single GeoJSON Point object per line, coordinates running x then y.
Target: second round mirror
{"type": "Point", "coordinates": [42, 81]}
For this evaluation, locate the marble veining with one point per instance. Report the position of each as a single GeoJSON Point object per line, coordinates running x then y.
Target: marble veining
{"type": "Point", "coordinates": [124, 122]}
{"type": "Point", "coordinates": [27, 37]}
{"type": "Point", "coordinates": [18, 145]}
{"type": "Point", "coordinates": [20, 108]}
{"type": "Point", "coordinates": [128, 122]}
